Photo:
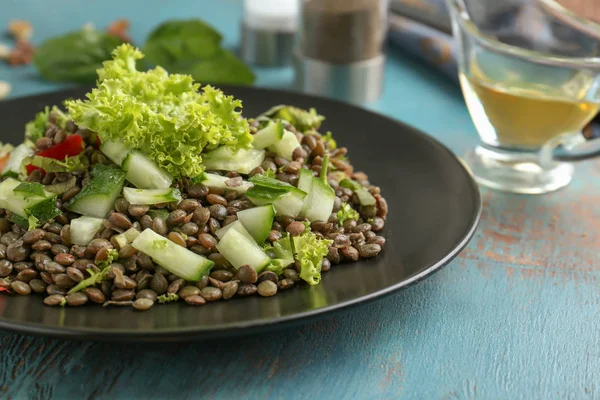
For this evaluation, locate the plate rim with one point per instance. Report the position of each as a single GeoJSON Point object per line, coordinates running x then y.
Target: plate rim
{"type": "Point", "coordinates": [256, 325]}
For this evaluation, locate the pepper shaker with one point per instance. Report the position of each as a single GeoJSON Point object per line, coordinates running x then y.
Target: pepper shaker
{"type": "Point", "coordinates": [340, 48]}
{"type": "Point", "coordinates": [268, 32]}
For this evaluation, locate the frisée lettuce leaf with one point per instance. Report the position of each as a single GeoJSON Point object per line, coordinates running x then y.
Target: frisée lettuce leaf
{"type": "Point", "coordinates": [162, 115]}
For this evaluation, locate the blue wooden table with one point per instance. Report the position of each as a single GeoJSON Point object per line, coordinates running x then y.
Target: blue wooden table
{"type": "Point", "coordinates": [517, 315]}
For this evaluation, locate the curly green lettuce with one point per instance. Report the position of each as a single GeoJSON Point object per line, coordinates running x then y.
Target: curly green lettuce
{"type": "Point", "coordinates": [303, 120]}
{"type": "Point", "coordinates": [162, 115]}
{"type": "Point", "coordinates": [36, 128]}
{"type": "Point", "coordinates": [281, 253]}
{"type": "Point", "coordinates": [310, 251]}
{"type": "Point", "coordinates": [69, 164]}
{"type": "Point", "coordinates": [346, 213]}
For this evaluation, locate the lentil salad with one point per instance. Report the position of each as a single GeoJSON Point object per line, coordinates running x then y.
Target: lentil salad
{"type": "Point", "coordinates": [96, 208]}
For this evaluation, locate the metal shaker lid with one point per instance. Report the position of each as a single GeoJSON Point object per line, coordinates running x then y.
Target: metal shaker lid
{"type": "Point", "coordinates": [359, 82]}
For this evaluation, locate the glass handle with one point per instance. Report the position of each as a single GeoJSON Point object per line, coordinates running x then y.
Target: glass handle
{"type": "Point", "coordinates": [569, 142]}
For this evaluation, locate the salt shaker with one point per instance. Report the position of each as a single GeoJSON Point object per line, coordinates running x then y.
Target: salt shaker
{"type": "Point", "coordinates": [268, 31]}
{"type": "Point", "coordinates": [340, 48]}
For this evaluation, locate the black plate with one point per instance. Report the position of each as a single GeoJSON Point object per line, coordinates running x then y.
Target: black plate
{"type": "Point", "coordinates": [434, 210]}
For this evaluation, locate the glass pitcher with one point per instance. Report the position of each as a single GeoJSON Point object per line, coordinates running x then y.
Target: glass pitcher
{"type": "Point", "coordinates": [530, 78]}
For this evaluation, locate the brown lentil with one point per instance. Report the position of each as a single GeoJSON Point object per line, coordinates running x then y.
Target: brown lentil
{"type": "Point", "coordinates": [197, 191]}
{"type": "Point", "coordinates": [195, 300]}
{"type": "Point", "coordinates": [246, 274]}
{"type": "Point", "coordinates": [54, 300]}
{"type": "Point", "coordinates": [159, 226]}
{"type": "Point", "coordinates": [216, 199]}
{"type": "Point", "coordinates": [122, 295]}
{"type": "Point", "coordinates": [369, 250]}
{"type": "Point", "coordinates": [230, 289]}
{"type": "Point", "coordinates": [146, 294]}
{"type": "Point", "coordinates": [175, 285]}
{"type": "Point", "coordinates": [70, 193]}
{"type": "Point", "coordinates": [64, 259]}
{"type": "Point", "coordinates": [189, 229]}
{"type": "Point", "coordinates": [218, 211]}
{"type": "Point", "coordinates": [77, 299]}
{"type": "Point", "coordinates": [120, 220]}
{"type": "Point", "coordinates": [188, 291]}
{"type": "Point", "coordinates": [127, 251]}
{"type": "Point", "coordinates": [295, 228]}
{"type": "Point", "coordinates": [37, 285]}
{"type": "Point", "coordinates": [267, 288]}
{"type": "Point", "coordinates": [20, 287]}
{"type": "Point", "coordinates": [208, 241]}
{"type": "Point", "coordinates": [202, 283]}
{"type": "Point", "coordinates": [210, 293]}
{"type": "Point", "coordinates": [137, 210]}
{"type": "Point", "coordinates": [33, 236]}
{"type": "Point", "coordinates": [350, 253]}
{"type": "Point", "coordinates": [16, 251]}
{"type": "Point", "coordinates": [201, 216]}
{"type": "Point", "coordinates": [27, 275]}
{"type": "Point", "coordinates": [219, 260]}
{"type": "Point", "coordinates": [143, 304]}
{"type": "Point", "coordinates": [177, 238]}
{"type": "Point", "coordinates": [6, 268]}
{"type": "Point", "coordinates": [221, 275]}
{"type": "Point", "coordinates": [54, 268]}
{"type": "Point", "coordinates": [176, 218]}
{"type": "Point", "coordinates": [59, 249]}
{"type": "Point", "coordinates": [268, 276]}
{"type": "Point", "coordinates": [285, 284]}
{"type": "Point", "coordinates": [159, 283]}
{"type": "Point", "coordinates": [95, 295]}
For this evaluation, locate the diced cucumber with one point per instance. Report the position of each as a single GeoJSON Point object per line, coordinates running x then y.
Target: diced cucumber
{"type": "Point", "coordinates": [290, 204]}
{"type": "Point", "coordinates": [41, 206]}
{"type": "Point", "coordinates": [257, 221]}
{"type": "Point", "coordinates": [115, 151]}
{"type": "Point", "coordinates": [123, 239]}
{"type": "Point", "coordinates": [286, 145]}
{"type": "Point", "coordinates": [242, 161]}
{"type": "Point", "coordinates": [98, 197]}
{"type": "Point", "coordinates": [365, 198]}
{"type": "Point", "coordinates": [131, 234]}
{"type": "Point", "coordinates": [240, 250]}
{"type": "Point", "coordinates": [286, 199]}
{"type": "Point", "coordinates": [17, 155]}
{"type": "Point", "coordinates": [267, 136]}
{"type": "Point", "coordinates": [151, 196]}
{"type": "Point", "coordinates": [84, 229]}
{"type": "Point", "coordinates": [143, 173]}
{"type": "Point", "coordinates": [305, 180]}
{"type": "Point", "coordinates": [119, 241]}
{"type": "Point", "coordinates": [267, 182]}
{"type": "Point", "coordinates": [234, 225]}
{"type": "Point", "coordinates": [261, 196]}
{"type": "Point", "coordinates": [219, 182]}
{"type": "Point", "coordinates": [172, 257]}
{"type": "Point", "coordinates": [319, 202]}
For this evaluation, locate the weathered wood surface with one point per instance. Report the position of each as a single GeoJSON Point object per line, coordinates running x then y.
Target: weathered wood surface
{"type": "Point", "coordinates": [516, 316]}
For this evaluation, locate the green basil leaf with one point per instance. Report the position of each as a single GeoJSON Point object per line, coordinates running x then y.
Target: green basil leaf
{"type": "Point", "coordinates": [181, 41]}
{"type": "Point", "coordinates": [75, 56]}
{"type": "Point", "coordinates": [223, 67]}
